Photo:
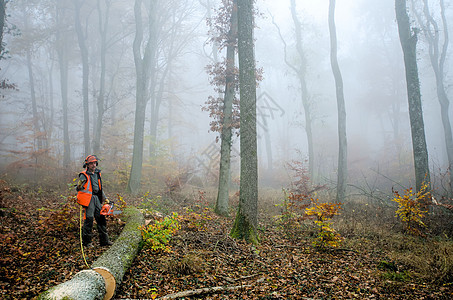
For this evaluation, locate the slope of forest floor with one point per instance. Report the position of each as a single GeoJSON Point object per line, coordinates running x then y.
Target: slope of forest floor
{"type": "Point", "coordinates": [40, 247]}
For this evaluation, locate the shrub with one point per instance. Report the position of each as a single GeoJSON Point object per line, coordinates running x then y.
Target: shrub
{"type": "Point", "coordinates": [292, 212]}
{"type": "Point", "coordinates": [157, 236]}
{"type": "Point", "coordinates": [327, 236]}
{"type": "Point", "coordinates": [412, 208]}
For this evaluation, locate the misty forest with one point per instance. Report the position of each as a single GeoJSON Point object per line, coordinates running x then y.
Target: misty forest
{"type": "Point", "coordinates": [250, 149]}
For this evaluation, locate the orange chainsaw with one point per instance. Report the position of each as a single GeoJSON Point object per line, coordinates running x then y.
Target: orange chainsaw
{"type": "Point", "coordinates": [108, 209]}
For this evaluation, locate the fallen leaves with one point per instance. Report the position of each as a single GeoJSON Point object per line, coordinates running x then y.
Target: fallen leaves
{"type": "Point", "coordinates": [32, 258]}
{"type": "Point", "coordinates": [207, 261]}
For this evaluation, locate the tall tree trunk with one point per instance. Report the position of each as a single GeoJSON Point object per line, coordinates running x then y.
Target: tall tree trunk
{"type": "Point", "coordinates": [48, 128]}
{"type": "Point", "coordinates": [36, 128]}
{"type": "Point", "coordinates": [246, 221]}
{"type": "Point", "coordinates": [437, 55]}
{"type": "Point", "coordinates": [215, 47]}
{"type": "Point", "coordinates": [2, 24]}
{"type": "Point", "coordinates": [443, 98]}
{"type": "Point", "coordinates": [267, 143]}
{"type": "Point", "coordinates": [156, 101]}
{"type": "Point", "coordinates": [31, 80]}
{"type": "Point", "coordinates": [62, 53]}
{"type": "Point", "coordinates": [223, 193]}
{"type": "Point", "coordinates": [85, 77]}
{"type": "Point", "coordinates": [142, 67]}
{"type": "Point", "coordinates": [103, 27]}
{"type": "Point", "coordinates": [301, 72]}
{"type": "Point", "coordinates": [408, 41]}
{"type": "Point", "coordinates": [342, 141]}
{"type": "Point", "coordinates": [160, 73]}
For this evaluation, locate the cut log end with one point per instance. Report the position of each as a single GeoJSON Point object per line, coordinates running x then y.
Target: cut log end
{"type": "Point", "coordinates": [110, 283]}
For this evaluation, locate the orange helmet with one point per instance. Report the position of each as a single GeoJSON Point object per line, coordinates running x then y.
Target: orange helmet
{"type": "Point", "coordinates": [90, 158]}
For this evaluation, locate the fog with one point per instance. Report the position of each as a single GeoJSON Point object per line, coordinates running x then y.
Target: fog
{"type": "Point", "coordinates": [370, 59]}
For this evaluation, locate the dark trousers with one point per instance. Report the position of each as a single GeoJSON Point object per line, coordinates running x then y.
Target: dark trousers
{"type": "Point", "coordinates": [93, 211]}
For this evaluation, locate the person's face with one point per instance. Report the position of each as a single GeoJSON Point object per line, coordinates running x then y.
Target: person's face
{"type": "Point", "coordinates": [92, 166]}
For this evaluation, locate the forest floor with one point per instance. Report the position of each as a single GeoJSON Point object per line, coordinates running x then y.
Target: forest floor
{"type": "Point", "coordinates": [40, 247]}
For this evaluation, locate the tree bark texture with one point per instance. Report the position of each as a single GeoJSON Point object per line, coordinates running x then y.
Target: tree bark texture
{"type": "Point", "coordinates": [31, 81]}
{"type": "Point", "coordinates": [62, 54]}
{"type": "Point", "coordinates": [142, 67]}
{"type": "Point", "coordinates": [408, 39]}
{"type": "Point", "coordinates": [342, 140]}
{"type": "Point", "coordinates": [2, 23]}
{"type": "Point", "coordinates": [246, 221]}
{"type": "Point", "coordinates": [89, 284]}
{"type": "Point", "coordinates": [437, 55]}
{"type": "Point", "coordinates": [85, 73]}
{"type": "Point", "coordinates": [301, 74]}
{"type": "Point", "coordinates": [103, 28]}
{"type": "Point", "coordinates": [222, 206]}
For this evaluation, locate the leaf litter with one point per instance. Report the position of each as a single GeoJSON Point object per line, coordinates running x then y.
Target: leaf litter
{"type": "Point", "coordinates": [203, 259]}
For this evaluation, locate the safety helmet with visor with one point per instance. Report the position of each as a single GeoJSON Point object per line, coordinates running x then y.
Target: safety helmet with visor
{"type": "Point", "coordinates": [90, 159]}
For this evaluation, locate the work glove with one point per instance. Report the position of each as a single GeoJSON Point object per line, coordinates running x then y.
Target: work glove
{"type": "Point", "coordinates": [80, 184]}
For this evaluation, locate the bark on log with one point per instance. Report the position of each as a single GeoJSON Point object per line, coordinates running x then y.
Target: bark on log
{"type": "Point", "coordinates": [108, 270]}
{"type": "Point", "coordinates": [207, 290]}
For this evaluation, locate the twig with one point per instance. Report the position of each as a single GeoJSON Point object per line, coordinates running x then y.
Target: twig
{"type": "Point", "coordinates": [211, 290]}
{"type": "Point", "coordinates": [208, 290]}
{"type": "Point", "coordinates": [231, 280]}
{"type": "Point", "coordinates": [346, 250]}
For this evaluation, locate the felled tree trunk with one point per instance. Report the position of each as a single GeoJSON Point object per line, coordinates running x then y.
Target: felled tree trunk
{"type": "Point", "coordinates": [108, 270]}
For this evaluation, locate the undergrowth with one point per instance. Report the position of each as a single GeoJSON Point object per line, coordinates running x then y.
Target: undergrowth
{"type": "Point", "coordinates": [427, 258]}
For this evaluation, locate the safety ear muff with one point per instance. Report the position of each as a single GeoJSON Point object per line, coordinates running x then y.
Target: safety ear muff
{"type": "Point", "coordinates": [86, 160]}
{"type": "Point", "coordinates": [96, 160]}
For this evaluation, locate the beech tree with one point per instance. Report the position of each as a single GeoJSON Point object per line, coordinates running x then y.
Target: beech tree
{"type": "Point", "coordinates": [2, 23]}
{"type": "Point", "coordinates": [301, 70]}
{"type": "Point", "coordinates": [61, 44]}
{"type": "Point", "coordinates": [172, 37]}
{"type": "Point", "coordinates": [142, 69]}
{"type": "Point", "coordinates": [222, 206]}
{"type": "Point", "coordinates": [81, 37]}
{"type": "Point", "coordinates": [342, 146]}
{"type": "Point", "coordinates": [28, 45]}
{"type": "Point", "coordinates": [408, 40]}
{"type": "Point", "coordinates": [223, 109]}
{"type": "Point", "coordinates": [437, 38]}
{"type": "Point", "coordinates": [103, 19]}
{"type": "Point", "coordinates": [246, 221]}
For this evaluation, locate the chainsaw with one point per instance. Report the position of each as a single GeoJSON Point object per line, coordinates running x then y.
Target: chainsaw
{"type": "Point", "coordinates": [108, 209]}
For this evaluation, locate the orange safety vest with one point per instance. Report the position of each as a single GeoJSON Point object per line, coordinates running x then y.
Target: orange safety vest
{"type": "Point", "coordinates": [84, 195]}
